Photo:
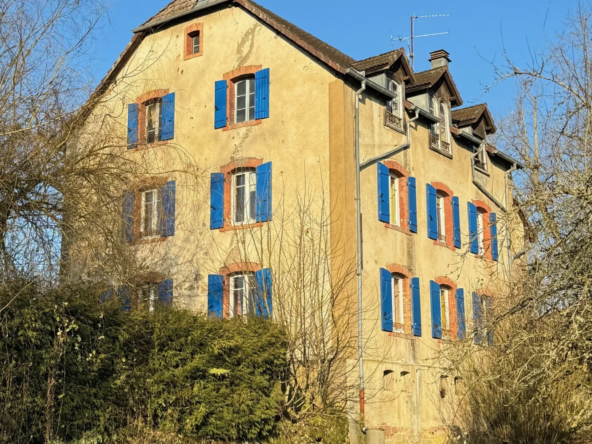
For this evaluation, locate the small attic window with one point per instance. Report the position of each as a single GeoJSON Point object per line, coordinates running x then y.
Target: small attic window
{"type": "Point", "coordinates": [481, 158]}
{"type": "Point", "coordinates": [394, 107]}
{"type": "Point", "coordinates": [194, 41]}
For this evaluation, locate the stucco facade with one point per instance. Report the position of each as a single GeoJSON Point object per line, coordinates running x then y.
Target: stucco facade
{"type": "Point", "coordinates": [309, 139]}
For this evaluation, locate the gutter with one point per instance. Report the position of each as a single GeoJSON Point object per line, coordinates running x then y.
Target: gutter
{"type": "Point", "coordinates": [197, 7]}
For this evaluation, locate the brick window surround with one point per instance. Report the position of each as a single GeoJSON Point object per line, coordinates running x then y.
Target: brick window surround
{"type": "Point", "coordinates": [485, 209]}
{"type": "Point", "coordinates": [142, 102]}
{"type": "Point", "coordinates": [189, 33]}
{"type": "Point", "coordinates": [401, 172]}
{"type": "Point", "coordinates": [232, 78]}
{"type": "Point", "coordinates": [406, 327]}
{"type": "Point", "coordinates": [448, 217]}
{"type": "Point", "coordinates": [452, 333]}
{"type": "Point", "coordinates": [146, 184]}
{"type": "Point", "coordinates": [228, 170]}
{"type": "Point", "coordinates": [227, 272]}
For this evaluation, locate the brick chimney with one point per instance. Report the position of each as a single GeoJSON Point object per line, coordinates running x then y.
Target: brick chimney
{"type": "Point", "coordinates": [439, 58]}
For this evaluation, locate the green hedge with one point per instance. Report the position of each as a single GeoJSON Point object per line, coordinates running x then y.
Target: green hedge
{"type": "Point", "coordinates": [170, 370]}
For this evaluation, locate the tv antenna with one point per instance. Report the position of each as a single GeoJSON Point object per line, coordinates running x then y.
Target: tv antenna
{"type": "Point", "coordinates": [412, 37]}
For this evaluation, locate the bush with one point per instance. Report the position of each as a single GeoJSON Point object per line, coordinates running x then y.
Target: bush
{"type": "Point", "coordinates": [71, 367]}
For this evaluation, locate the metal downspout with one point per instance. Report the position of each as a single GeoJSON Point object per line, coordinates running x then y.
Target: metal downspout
{"type": "Point", "coordinates": [359, 254]}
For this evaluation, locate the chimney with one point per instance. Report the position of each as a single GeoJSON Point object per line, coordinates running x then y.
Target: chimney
{"type": "Point", "coordinates": [439, 58]}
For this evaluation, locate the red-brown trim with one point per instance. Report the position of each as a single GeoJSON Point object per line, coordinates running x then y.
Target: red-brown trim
{"type": "Point", "coordinates": [227, 170]}
{"type": "Point", "coordinates": [449, 220]}
{"type": "Point", "coordinates": [231, 78]}
{"type": "Point", "coordinates": [447, 282]}
{"type": "Point", "coordinates": [189, 33]}
{"type": "Point", "coordinates": [402, 172]}
{"type": "Point", "coordinates": [226, 272]}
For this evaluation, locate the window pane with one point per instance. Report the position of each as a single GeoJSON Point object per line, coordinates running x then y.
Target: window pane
{"type": "Point", "coordinates": [196, 44]}
{"type": "Point", "coordinates": [241, 88]}
{"type": "Point", "coordinates": [240, 205]}
{"type": "Point", "coordinates": [241, 102]}
{"type": "Point", "coordinates": [240, 116]}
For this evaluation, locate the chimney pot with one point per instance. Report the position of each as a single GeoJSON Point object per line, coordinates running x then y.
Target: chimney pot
{"type": "Point", "coordinates": [439, 58]}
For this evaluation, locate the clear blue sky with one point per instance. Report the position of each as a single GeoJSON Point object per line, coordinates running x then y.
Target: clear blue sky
{"type": "Point", "coordinates": [363, 28]}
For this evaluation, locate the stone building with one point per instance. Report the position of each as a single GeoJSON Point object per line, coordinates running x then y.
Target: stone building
{"type": "Point", "coordinates": [267, 114]}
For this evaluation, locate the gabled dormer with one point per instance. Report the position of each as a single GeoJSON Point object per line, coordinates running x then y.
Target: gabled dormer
{"type": "Point", "coordinates": [474, 124]}
{"type": "Point", "coordinates": [391, 71]}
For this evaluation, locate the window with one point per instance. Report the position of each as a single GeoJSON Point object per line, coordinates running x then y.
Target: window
{"type": "Point", "coordinates": [153, 116]}
{"type": "Point", "coordinates": [440, 131]}
{"type": "Point", "coordinates": [480, 233]}
{"type": "Point", "coordinates": [445, 307]}
{"type": "Point", "coordinates": [441, 219]}
{"type": "Point", "coordinates": [149, 294]}
{"type": "Point", "coordinates": [481, 158]}
{"type": "Point", "coordinates": [195, 42]}
{"type": "Point", "coordinates": [398, 314]}
{"type": "Point", "coordinates": [244, 197]}
{"type": "Point", "coordinates": [395, 200]}
{"type": "Point", "coordinates": [245, 100]}
{"type": "Point", "coordinates": [150, 221]}
{"type": "Point", "coordinates": [395, 106]}
{"type": "Point", "coordinates": [243, 288]}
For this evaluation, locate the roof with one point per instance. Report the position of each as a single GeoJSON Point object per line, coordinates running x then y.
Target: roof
{"type": "Point", "coordinates": [472, 114]}
{"type": "Point", "coordinates": [379, 62]}
{"type": "Point", "coordinates": [426, 79]}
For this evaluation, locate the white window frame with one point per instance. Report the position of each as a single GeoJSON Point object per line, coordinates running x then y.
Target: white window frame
{"type": "Point", "coordinates": [249, 285]}
{"type": "Point", "coordinates": [482, 156]}
{"type": "Point", "coordinates": [196, 35]}
{"type": "Point", "coordinates": [397, 88]}
{"type": "Point", "coordinates": [151, 290]}
{"type": "Point", "coordinates": [397, 282]}
{"type": "Point", "coordinates": [445, 307]}
{"type": "Point", "coordinates": [434, 109]}
{"type": "Point", "coordinates": [250, 186]}
{"type": "Point", "coordinates": [441, 216]}
{"type": "Point", "coordinates": [395, 199]}
{"type": "Point", "coordinates": [157, 105]}
{"type": "Point", "coordinates": [155, 229]}
{"type": "Point", "coordinates": [444, 121]}
{"type": "Point", "coordinates": [480, 232]}
{"type": "Point", "coordinates": [249, 96]}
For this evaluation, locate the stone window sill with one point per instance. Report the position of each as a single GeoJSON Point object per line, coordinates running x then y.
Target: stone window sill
{"type": "Point", "coordinates": [241, 125]}
{"type": "Point", "coordinates": [439, 151]}
{"type": "Point", "coordinates": [230, 227]}
{"type": "Point", "coordinates": [398, 228]}
{"type": "Point", "coordinates": [148, 240]}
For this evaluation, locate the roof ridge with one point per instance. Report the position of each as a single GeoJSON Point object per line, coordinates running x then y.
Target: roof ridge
{"type": "Point", "coordinates": [380, 55]}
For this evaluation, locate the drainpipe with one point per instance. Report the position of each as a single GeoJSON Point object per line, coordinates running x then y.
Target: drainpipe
{"type": "Point", "coordinates": [482, 188]}
{"type": "Point", "coordinates": [359, 258]}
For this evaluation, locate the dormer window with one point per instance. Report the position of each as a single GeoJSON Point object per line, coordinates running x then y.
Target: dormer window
{"type": "Point", "coordinates": [394, 107]}
{"type": "Point", "coordinates": [481, 158]}
{"type": "Point", "coordinates": [440, 137]}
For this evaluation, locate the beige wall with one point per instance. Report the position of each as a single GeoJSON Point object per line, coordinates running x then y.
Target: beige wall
{"type": "Point", "coordinates": [309, 137]}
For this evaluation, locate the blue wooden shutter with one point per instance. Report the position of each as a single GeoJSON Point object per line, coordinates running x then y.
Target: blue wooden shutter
{"type": "Point", "coordinates": [132, 125]}
{"type": "Point", "coordinates": [436, 310]}
{"type": "Point", "coordinates": [106, 295]}
{"type": "Point", "coordinates": [263, 298]}
{"type": "Point", "coordinates": [217, 201]}
{"type": "Point", "coordinates": [123, 293]}
{"type": "Point", "coordinates": [128, 215]}
{"type": "Point", "coordinates": [165, 292]}
{"type": "Point", "coordinates": [477, 318]}
{"type": "Point", "coordinates": [432, 212]}
{"type": "Point", "coordinates": [386, 300]}
{"type": "Point", "coordinates": [384, 213]}
{"type": "Point", "coordinates": [473, 228]}
{"type": "Point", "coordinates": [220, 104]}
{"type": "Point", "coordinates": [412, 191]}
{"type": "Point", "coordinates": [263, 209]}
{"type": "Point", "coordinates": [167, 117]}
{"type": "Point", "coordinates": [262, 94]}
{"type": "Point", "coordinates": [167, 220]}
{"type": "Point", "coordinates": [456, 221]}
{"type": "Point", "coordinates": [416, 306]}
{"type": "Point", "coordinates": [215, 296]}
{"type": "Point", "coordinates": [460, 313]}
{"type": "Point", "coordinates": [494, 244]}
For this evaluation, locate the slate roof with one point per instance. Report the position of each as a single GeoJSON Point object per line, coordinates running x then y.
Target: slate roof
{"type": "Point", "coordinates": [472, 114]}
{"type": "Point", "coordinates": [376, 63]}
